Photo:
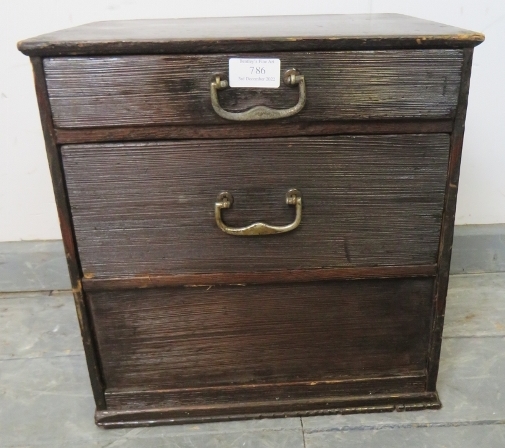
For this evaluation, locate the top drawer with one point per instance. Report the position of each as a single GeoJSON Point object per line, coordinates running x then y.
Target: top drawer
{"type": "Point", "coordinates": [87, 92]}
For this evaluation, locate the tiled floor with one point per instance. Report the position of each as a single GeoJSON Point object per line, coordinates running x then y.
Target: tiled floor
{"type": "Point", "coordinates": [45, 397]}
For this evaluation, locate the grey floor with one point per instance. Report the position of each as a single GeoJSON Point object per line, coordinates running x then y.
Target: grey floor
{"type": "Point", "coordinates": [45, 397]}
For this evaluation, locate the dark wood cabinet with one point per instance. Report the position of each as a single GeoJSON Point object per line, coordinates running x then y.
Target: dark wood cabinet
{"type": "Point", "coordinates": [241, 252]}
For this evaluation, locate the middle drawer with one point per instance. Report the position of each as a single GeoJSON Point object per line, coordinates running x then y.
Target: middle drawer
{"type": "Point", "coordinates": [148, 208]}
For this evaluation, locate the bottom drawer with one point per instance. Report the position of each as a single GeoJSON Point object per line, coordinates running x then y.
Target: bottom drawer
{"type": "Point", "coordinates": [233, 344]}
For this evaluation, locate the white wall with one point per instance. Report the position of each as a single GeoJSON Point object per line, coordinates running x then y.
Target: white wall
{"type": "Point", "coordinates": [27, 209]}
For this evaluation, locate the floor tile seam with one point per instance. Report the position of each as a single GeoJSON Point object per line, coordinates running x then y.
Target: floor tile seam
{"type": "Point", "coordinates": [303, 433]}
{"type": "Point", "coordinates": [4, 295]}
{"type": "Point", "coordinates": [146, 435]}
{"type": "Point", "coordinates": [461, 274]}
{"type": "Point", "coordinates": [490, 336]}
{"type": "Point", "coordinates": [65, 355]}
{"type": "Point", "coordinates": [393, 426]}
{"type": "Point", "coordinates": [114, 440]}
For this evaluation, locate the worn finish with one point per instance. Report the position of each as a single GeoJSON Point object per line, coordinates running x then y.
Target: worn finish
{"type": "Point", "coordinates": [149, 208]}
{"type": "Point", "coordinates": [265, 277]}
{"type": "Point", "coordinates": [447, 231]}
{"type": "Point", "coordinates": [56, 169]}
{"type": "Point", "coordinates": [39, 393]}
{"type": "Point", "coordinates": [470, 386]}
{"type": "Point", "coordinates": [272, 409]}
{"type": "Point", "coordinates": [223, 336]}
{"type": "Point", "coordinates": [277, 33]}
{"type": "Point", "coordinates": [34, 405]}
{"type": "Point", "coordinates": [158, 90]}
{"type": "Point", "coordinates": [261, 395]}
{"type": "Point", "coordinates": [252, 130]}
{"type": "Point", "coordinates": [66, 225]}
{"type": "Point", "coordinates": [183, 322]}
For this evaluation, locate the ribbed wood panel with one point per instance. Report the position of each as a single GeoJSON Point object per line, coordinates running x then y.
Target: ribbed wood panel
{"type": "Point", "coordinates": [162, 89]}
{"type": "Point", "coordinates": [148, 208]}
{"type": "Point", "coordinates": [291, 394]}
{"type": "Point", "coordinates": [191, 337]}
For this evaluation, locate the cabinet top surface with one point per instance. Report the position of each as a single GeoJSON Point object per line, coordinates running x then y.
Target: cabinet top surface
{"type": "Point", "coordinates": [250, 34]}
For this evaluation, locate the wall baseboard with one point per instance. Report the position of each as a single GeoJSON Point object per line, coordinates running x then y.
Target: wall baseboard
{"type": "Point", "coordinates": [41, 266]}
{"type": "Point", "coordinates": [478, 248]}
{"type": "Point", "coordinates": [33, 266]}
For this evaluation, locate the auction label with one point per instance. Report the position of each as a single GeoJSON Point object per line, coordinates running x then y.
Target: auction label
{"type": "Point", "coordinates": [245, 72]}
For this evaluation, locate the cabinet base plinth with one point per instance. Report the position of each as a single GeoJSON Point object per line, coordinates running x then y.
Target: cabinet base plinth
{"type": "Point", "coordinates": [245, 411]}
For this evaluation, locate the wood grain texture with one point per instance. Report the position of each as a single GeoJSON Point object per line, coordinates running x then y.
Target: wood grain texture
{"type": "Point", "coordinates": [158, 90]}
{"type": "Point", "coordinates": [196, 337]}
{"type": "Point", "coordinates": [215, 35]}
{"type": "Point", "coordinates": [66, 226]}
{"type": "Point", "coordinates": [57, 175]}
{"type": "Point", "coordinates": [447, 230]}
{"type": "Point", "coordinates": [252, 394]}
{"type": "Point", "coordinates": [301, 408]}
{"type": "Point", "coordinates": [280, 276]}
{"type": "Point", "coordinates": [138, 225]}
{"type": "Point", "coordinates": [252, 130]}
{"type": "Point", "coordinates": [148, 208]}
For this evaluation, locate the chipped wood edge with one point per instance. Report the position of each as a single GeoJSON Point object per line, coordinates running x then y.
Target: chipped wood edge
{"type": "Point", "coordinates": [252, 130]}
{"type": "Point", "coordinates": [31, 47]}
{"type": "Point", "coordinates": [242, 278]}
{"type": "Point", "coordinates": [306, 408]}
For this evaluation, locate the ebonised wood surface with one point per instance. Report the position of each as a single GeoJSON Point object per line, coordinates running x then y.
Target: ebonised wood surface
{"type": "Point", "coordinates": [148, 208]}
{"type": "Point", "coordinates": [306, 407]}
{"type": "Point", "coordinates": [247, 395]}
{"type": "Point", "coordinates": [194, 337]}
{"type": "Point", "coordinates": [217, 35]}
{"type": "Point", "coordinates": [67, 233]}
{"type": "Point", "coordinates": [447, 230]}
{"type": "Point", "coordinates": [295, 341]}
{"type": "Point", "coordinates": [156, 90]}
{"type": "Point", "coordinates": [259, 278]}
{"type": "Point", "coordinates": [252, 129]}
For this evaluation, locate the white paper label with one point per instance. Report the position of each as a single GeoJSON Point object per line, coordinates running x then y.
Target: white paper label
{"type": "Point", "coordinates": [245, 72]}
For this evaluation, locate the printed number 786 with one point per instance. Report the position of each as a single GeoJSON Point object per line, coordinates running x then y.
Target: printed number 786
{"type": "Point", "coordinates": [257, 70]}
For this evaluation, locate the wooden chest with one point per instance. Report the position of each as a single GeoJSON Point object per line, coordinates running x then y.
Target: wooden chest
{"type": "Point", "coordinates": [241, 252]}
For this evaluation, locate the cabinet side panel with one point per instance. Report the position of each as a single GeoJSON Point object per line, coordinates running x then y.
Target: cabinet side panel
{"type": "Point", "coordinates": [447, 232]}
{"type": "Point", "coordinates": [65, 218]}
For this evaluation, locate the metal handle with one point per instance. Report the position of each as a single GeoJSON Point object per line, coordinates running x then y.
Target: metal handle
{"type": "Point", "coordinates": [225, 200]}
{"type": "Point", "coordinates": [291, 78]}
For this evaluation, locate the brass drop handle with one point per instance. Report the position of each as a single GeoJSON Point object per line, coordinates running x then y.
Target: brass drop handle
{"type": "Point", "coordinates": [225, 200]}
{"type": "Point", "coordinates": [291, 78]}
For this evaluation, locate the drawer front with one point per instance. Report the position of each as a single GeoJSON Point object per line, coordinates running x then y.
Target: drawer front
{"type": "Point", "coordinates": [198, 337]}
{"type": "Point", "coordinates": [148, 208]}
{"type": "Point", "coordinates": [162, 89]}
